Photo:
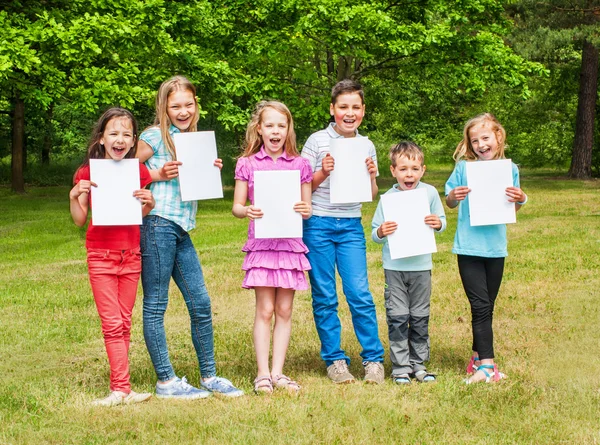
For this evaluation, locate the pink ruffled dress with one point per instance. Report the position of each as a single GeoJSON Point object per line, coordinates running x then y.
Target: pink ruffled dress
{"type": "Point", "coordinates": [273, 262]}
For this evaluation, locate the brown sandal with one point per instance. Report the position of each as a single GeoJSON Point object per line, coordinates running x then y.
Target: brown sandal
{"type": "Point", "coordinates": [263, 385]}
{"type": "Point", "coordinates": [284, 382]}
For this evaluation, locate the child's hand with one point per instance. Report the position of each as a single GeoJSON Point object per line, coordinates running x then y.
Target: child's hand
{"type": "Point", "coordinates": [515, 194]}
{"type": "Point", "coordinates": [387, 228]}
{"type": "Point", "coordinates": [83, 186]}
{"type": "Point", "coordinates": [328, 164]}
{"type": "Point", "coordinates": [459, 193]}
{"type": "Point", "coordinates": [219, 163]}
{"type": "Point", "coordinates": [304, 208]}
{"type": "Point", "coordinates": [371, 167]}
{"type": "Point", "coordinates": [170, 170]}
{"type": "Point", "coordinates": [253, 212]}
{"type": "Point", "coordinates": [145, 197]}
{"type": "Point", "coordinates": [433, 221]}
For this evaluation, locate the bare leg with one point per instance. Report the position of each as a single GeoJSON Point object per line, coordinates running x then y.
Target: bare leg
{"type": "Point", "coordinates": [265, 307]}
{"type": "Point", "coordinates": [283, 328]}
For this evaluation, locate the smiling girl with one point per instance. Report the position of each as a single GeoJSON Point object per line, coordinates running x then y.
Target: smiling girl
{"type": "Point", "coordinates": [167, 249]}
{"type": "Point", "coordinates": [274, 267]}
{"type": "Point", "coordinates": [113, 252]}
{"type": "Point", "coordinates": [480, 249]}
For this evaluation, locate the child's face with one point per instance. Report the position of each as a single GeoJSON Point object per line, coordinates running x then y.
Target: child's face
{"type": "Point", "coordinates": [273, 129]}
{"type": "Point", "coordinates": [484, 141]}
{"type": "Point", "coordinates": [348, 112]}
{"type": "Point", "coordinates": [118, 138]}
{"type": "Point", "coordinates": [408, 172]}
{"type": "Point", "coordinates": [181, 108]}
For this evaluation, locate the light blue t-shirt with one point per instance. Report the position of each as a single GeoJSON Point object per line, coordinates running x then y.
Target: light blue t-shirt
{"type": "Point", "coordinates": [484, 241]}
{"type": "Point", "coordinates": [414, 263]}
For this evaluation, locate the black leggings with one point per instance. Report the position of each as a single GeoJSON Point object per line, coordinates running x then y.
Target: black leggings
{"type": "Point", "coordinates": [481, 278]}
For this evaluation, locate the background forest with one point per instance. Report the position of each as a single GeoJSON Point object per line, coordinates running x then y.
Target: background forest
{"type": "Point", "coordinates": [426, 65]}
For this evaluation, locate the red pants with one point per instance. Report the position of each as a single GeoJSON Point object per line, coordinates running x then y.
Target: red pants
{"type": "Point", "coordinates": [114, 276]}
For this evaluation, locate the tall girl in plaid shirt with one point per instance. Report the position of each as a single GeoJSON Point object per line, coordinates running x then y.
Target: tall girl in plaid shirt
{"type": "Point", "coordinates": [167, 249]}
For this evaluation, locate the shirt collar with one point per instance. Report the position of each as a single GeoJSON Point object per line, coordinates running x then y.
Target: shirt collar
{"type": "Point", "coordinates": [173, 130]}
{"type": "Point", "coordinates": [262, 154]}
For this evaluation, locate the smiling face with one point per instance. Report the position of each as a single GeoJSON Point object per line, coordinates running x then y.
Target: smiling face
{"type": "Point", "coordinates": [118, 138]}
{"type": "Point", "coordinates": [273, 129]}
{"type": "Point", "coordinates": [408, 172]}
{"type": "Point", "coordinates": [181, 108]}
{"type": "Point", "coordinates": [348, 112]}
{"type": "Point", "coordinates": [484, 141]}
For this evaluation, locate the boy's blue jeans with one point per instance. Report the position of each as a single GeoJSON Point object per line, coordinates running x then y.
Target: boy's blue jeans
{"type": "Point", "coordinates": [340, 242]}
{"type": "Point", "coordinates": [167, 251]}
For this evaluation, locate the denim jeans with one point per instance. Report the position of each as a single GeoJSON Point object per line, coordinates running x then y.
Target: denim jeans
{"type": "Point", "coordinates": [114, 277]}
{"type": "Point", "coordinates": [341, 242]}
{"type": "Point", "coordinates": [167, 251]}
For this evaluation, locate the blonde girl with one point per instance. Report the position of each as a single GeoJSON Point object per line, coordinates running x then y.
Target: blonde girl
{"type": "Point", "coordinates": [274, 267]}
{"type": "Point", "coordinates": [480, 249]}
{"type": "Point", "coordinates": [167, 249]}
{"type": "Point", "coordinates": [113, 252]}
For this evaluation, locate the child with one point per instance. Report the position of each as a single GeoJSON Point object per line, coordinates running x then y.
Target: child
{"type": "Point", "coordinates": [274, 267]}
{"type": "Point", "coordinates": [113, 252]}
{"type": "Point", "coordinates": [481, 249]}
{"type": "Point", "coordinates": [335, 237]}
{"type": "Point", "coordinates": [167, 249]}
{"type": "Point", "coordinates": [408, 280]}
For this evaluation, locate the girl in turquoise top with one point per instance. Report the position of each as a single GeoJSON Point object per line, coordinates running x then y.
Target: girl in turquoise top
{"type": "Point", "coordinates": [481, 249]}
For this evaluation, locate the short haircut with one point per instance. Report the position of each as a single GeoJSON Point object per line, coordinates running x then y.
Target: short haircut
{"type": "Point", "coordinates": [347, 86]}
{"type": "Point", "coordinates": [407, 149]}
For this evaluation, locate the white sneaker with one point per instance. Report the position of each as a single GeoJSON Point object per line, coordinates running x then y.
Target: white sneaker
{"type": "Point", "coordinates": [114, 398]}
{"type": "Point", "coordinates": [134, 397]}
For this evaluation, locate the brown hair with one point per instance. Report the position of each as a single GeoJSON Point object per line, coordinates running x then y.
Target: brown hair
{"type": "Point", "coordinates": [95, 148]}
{"type": "Point", "coordinates": [347, 86]}
{"type": "Point", "coordinates": [254, 140]}
{"type": "Point", "coordinates": [407, 149]}
{"type": "Point", "coordinates": [176, 83]}
{"type": "Point", "coordinates": [465, 150]}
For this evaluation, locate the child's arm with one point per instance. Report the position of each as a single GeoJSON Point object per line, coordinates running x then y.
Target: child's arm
{"type": "Point", "coordinates": [240, 196]}
{"type": "Point", "coordinates": [304, 207]}
{"type": "Point", "coordinates": [147, 200]}
{"type": "Point", "coordinates": [372, 168]}
{"type": "Point", "coordinates": [167, 172]}
{"type": "Point", "coordinates": [437, 219]}
{"type": "Point", "coordinates": [456, 195]}
{"type": "Point", "coordinates": [320, 176]}
{"type": "Point", "coordinates": [78, 201]}
{"type": "Point", "coordinates": [381, 228]}
{"type": "Point", "coordinates": [516, 195]}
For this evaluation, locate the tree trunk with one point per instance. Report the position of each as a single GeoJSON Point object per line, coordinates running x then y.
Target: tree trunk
{"type": "Point", "coordinates": [18, 145]}
{"type": "Point", "coordinates": [581, 161]}
{"type": "Point", "coordinates": [48, 133]}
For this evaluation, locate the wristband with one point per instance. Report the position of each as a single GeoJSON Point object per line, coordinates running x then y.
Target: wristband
{"type": "Point", "coordinates": [524, 202]}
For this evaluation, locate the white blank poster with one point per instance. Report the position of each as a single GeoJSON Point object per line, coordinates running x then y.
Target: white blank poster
{"type": "Point", "coordinates": [350, 180]}
{"type": "Point", "coordinates": [488, 203]}
{"type": "Point", "coordinates": [408, 209]}
{"type": "Point", "coordinates": [275, 193]}
{"type": "Point", "coordinates": [113, 203]}
{"type": "Point", "coordinates": [198, 176]}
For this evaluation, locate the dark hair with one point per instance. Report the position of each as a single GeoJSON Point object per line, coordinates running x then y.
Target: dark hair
{"type": "Point", "coordinates": [347, 86]}
{"type": "Point", "coordinates": [408, 149]}
{"type": "Point", "coordinates": [95, 149]}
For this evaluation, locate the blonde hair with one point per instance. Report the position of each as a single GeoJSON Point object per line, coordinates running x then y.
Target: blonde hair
{"type": "Point", "coordinates": [254, 140]}
{"type": "Point", "coordinates": [465, 150]}
{"type": "Point", "coordinates": [162, 120]}
{"type": "Point", "coordinates": [407, 149]}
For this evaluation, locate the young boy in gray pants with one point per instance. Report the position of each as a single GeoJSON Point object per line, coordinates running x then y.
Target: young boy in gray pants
{"type": "Point", "coordinates": [408, 280]}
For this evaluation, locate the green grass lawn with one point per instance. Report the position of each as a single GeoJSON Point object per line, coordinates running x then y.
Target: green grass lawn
{"type": "Point", "coordinates": [53, 363]}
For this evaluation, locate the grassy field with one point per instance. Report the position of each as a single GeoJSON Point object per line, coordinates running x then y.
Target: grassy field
{"type": "Point", "coordinates": [52, 359]}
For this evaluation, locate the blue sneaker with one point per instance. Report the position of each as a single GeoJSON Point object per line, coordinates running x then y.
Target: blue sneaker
{"type": "Point", "coordinates": [179, 388]}
{"type": "Point", "coordinates": [222, 386]}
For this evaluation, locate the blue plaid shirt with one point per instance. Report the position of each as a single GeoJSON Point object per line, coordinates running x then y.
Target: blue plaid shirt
{"type": "Point", "coordinates": [166, 193]}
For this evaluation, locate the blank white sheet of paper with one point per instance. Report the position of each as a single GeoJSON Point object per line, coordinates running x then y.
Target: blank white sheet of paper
{"type": "Point", "coordinates": [408, 209]}
{"type": "Point", "coordinates": [488, 203]}
{"type": "Point", "coordinates": [275, 193]}
{"type": "Point", "coordinates": [113, 203]}
{"type": "Point", "coordinates": [198, 176]}
{"type": "Point", "coordinates": [350, 180]}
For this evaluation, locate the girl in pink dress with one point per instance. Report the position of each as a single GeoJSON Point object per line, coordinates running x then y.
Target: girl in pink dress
{"type": "Point", "coordinates": [274, 267]}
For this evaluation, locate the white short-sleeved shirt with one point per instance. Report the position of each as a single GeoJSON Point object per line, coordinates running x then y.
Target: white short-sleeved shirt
{"type": "Point", "coordinates": [315, 149]}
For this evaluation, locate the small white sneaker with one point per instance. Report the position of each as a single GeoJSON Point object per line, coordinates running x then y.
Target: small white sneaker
{"type": "Point", "coordinates": [134, 397]}
{"type": "Point", "coordinates": [113, 399]}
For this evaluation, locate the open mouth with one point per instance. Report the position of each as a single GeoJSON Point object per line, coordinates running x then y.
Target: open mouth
{"type": "Point", "coordinates": [118, 150]}
{"type": "Point", "coordinates": [349, 121]}
{"type": "Point", "coordinates": [275, 141]}
{"type": "Point", "coordinates": [409, 185]}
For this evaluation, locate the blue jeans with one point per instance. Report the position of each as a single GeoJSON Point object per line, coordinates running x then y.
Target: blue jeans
{"type": "Point", "coordinates": [167, 251]}
{"type": "Point", "coordinates": [341, 242]}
